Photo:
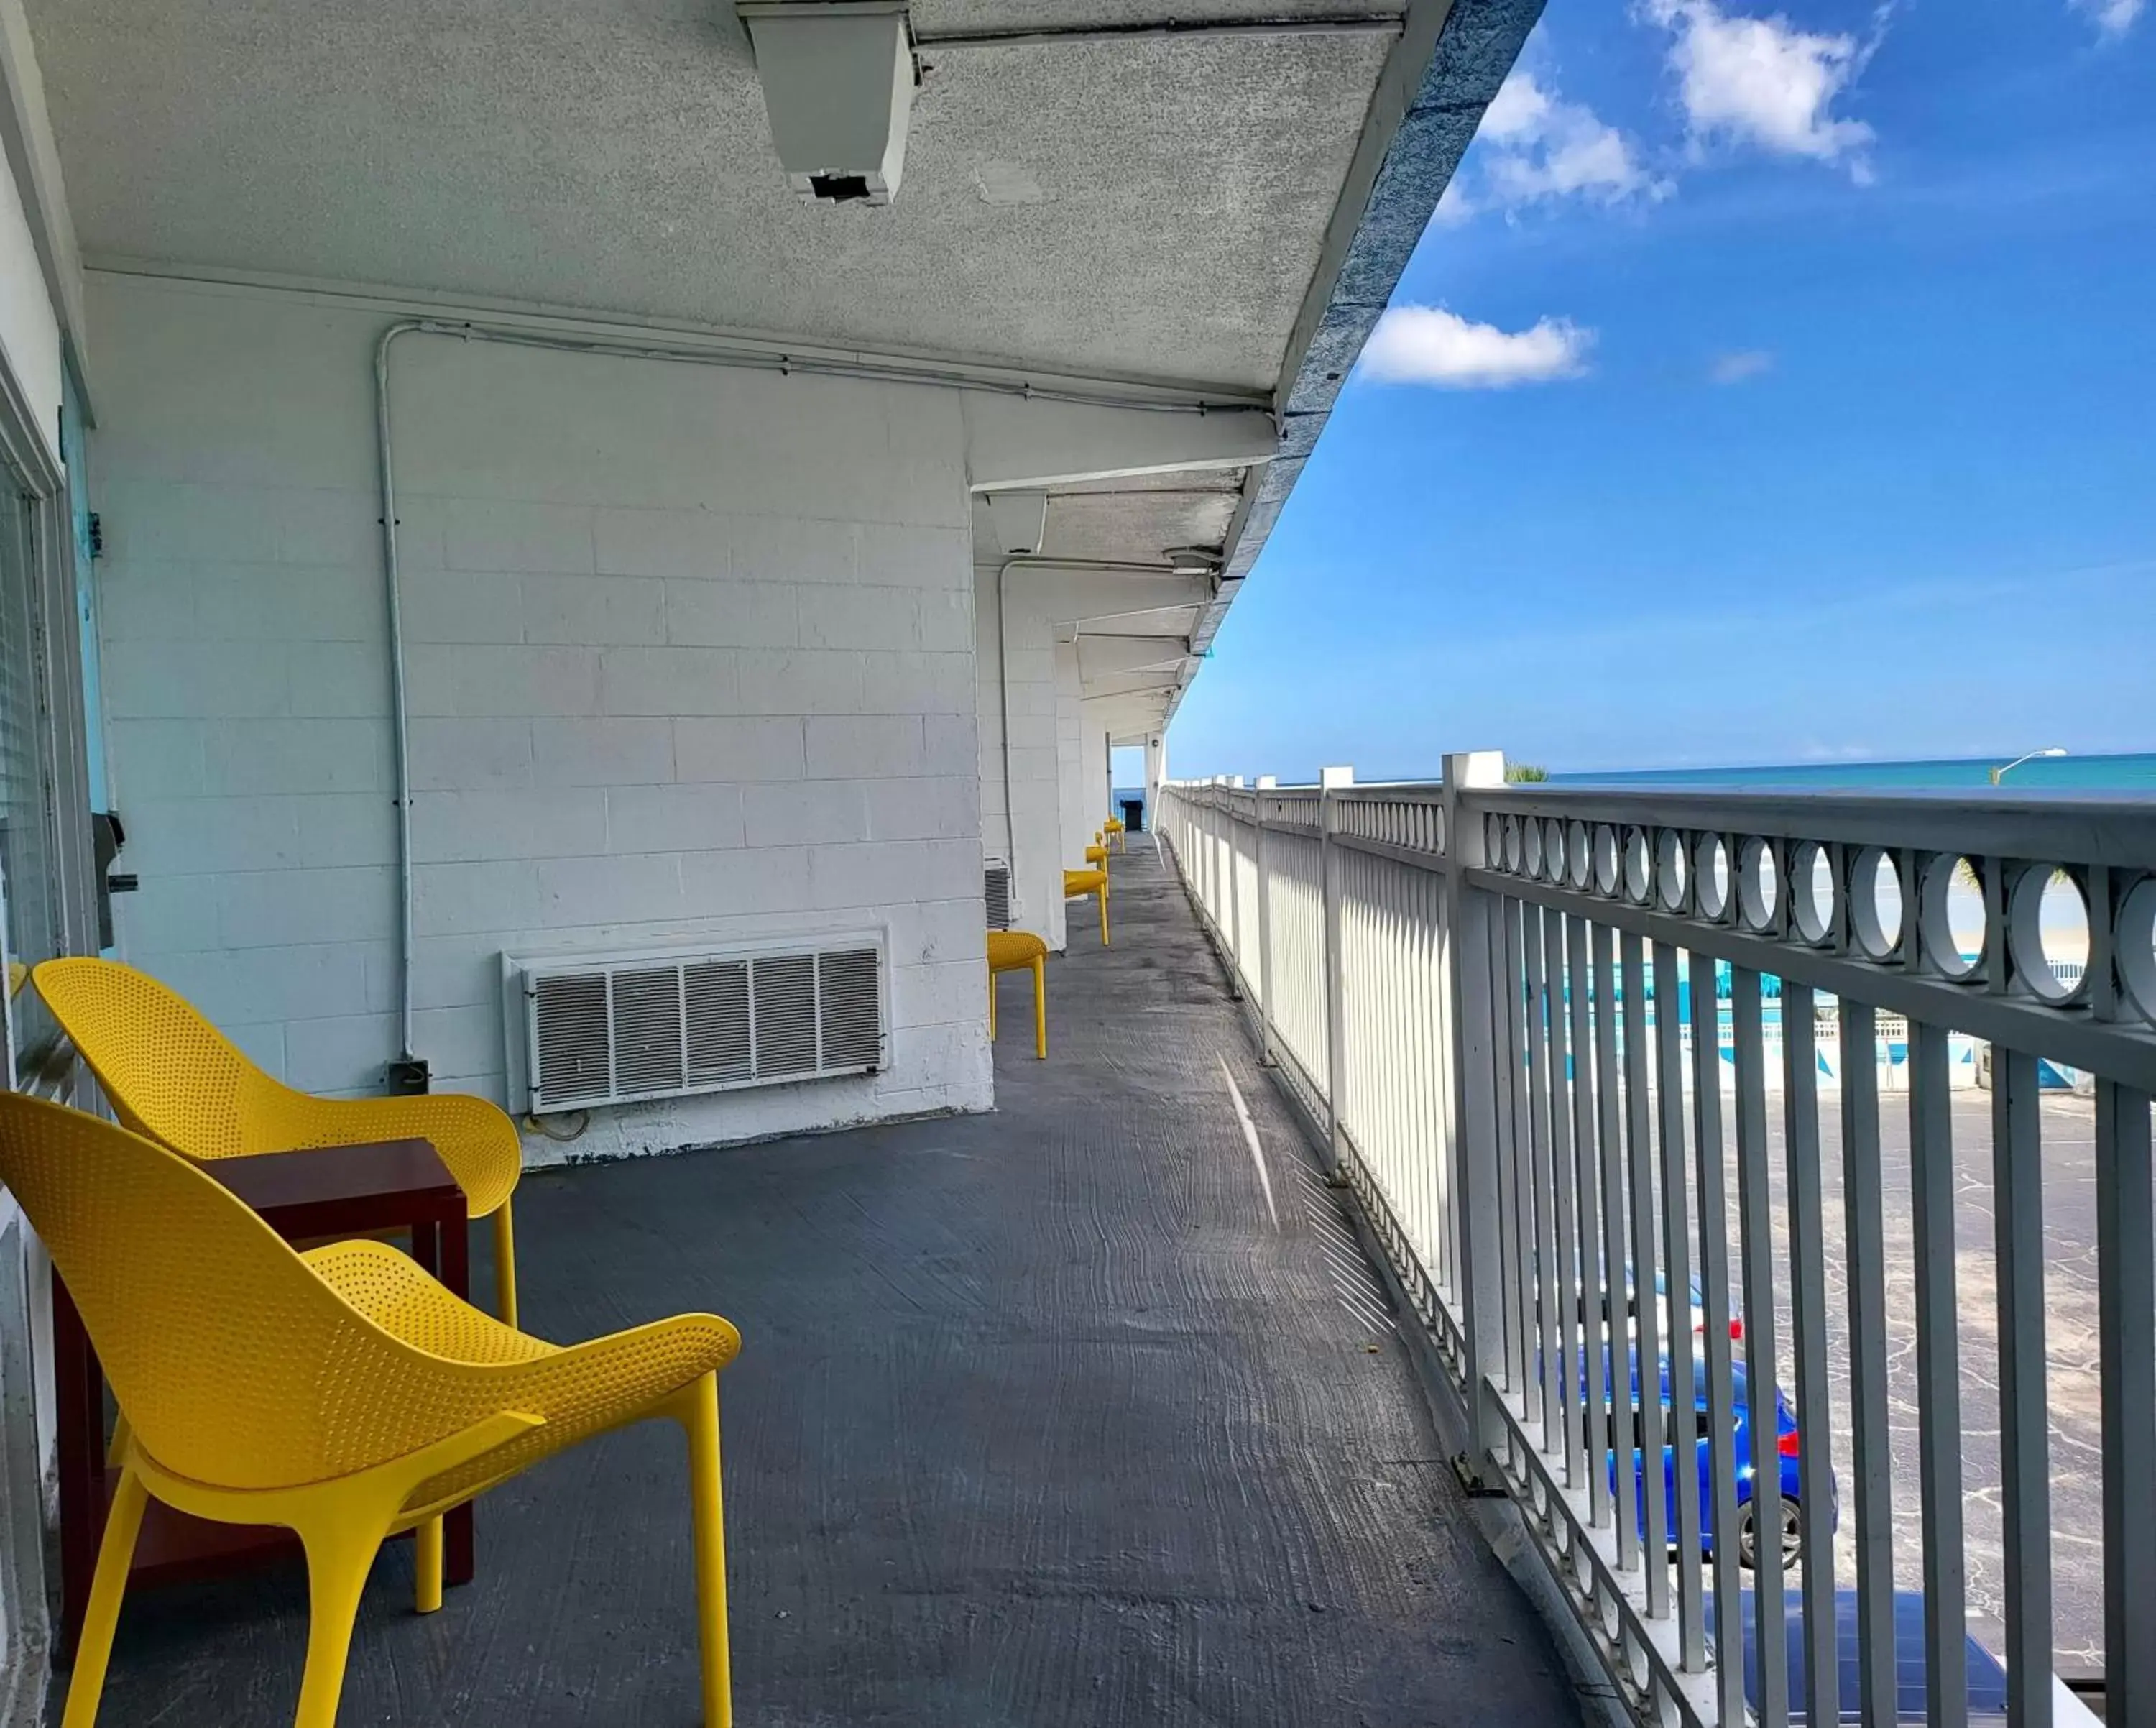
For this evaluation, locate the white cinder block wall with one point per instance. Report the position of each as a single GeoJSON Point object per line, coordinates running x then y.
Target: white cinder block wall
{"type": "Point", "coordinates": [691, 655]}
{"type": "Point", "coordinates": [1035, 830]}
{"type": "Point", "coordinates": [1093, 763]}
{"type": "Point", "coordinates": [1077, 832]}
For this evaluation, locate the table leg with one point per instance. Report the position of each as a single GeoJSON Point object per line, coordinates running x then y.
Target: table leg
{"type": "Point", "coordinates": [79, 1383]}
{"type": "Point", "coordinates": [453, 1238]}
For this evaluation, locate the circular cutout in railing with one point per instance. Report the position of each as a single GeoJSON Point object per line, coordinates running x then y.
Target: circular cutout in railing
{"type": "Point", "coordinates": [1606, 858]}
{"type": "Point", "coordinates": [1758, 889]}
{"type": "Point", "coordinates": [1875, 903]}
{"type": "Point", "coordinates": [1639, 877]}
{"type": "Point", "coordinates": [1512, 845]}
{"type": "Point", "coordinates": [1672, 869]}
{"type": "Point", "coordinates": [1950, 919]}
{"type": "Point", "coordinates": [1580, 847]}
{"type": "Point", "coordinates": [1710, 885]}
{"type": "Point", "coordinates": [1533, 844]}
{"type": "Point", "coordinates": [1811, 891]}
{"type": "Point", "coordinates": [2047, 923]}
{"type": "Point", "coordinates": [2134, 939]}
{"type": "Point", "coordinates": [1493, 841]}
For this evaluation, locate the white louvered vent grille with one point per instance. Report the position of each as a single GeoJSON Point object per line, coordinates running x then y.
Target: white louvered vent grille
{"type": "Point", "coordinates": [849, 1003]}
{"type": "Point", "coordinates": [621, 1028]}
{"type": "Point", "coordinates": [996, 890]}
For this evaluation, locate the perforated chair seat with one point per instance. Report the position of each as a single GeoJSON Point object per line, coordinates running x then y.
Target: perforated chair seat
{"type": "Point", "coordinates": [1014, 951]}
{"type": "Point", "coordinates": [1020, 951]}
{"type": "Point", "coordinates": [1077, 884]}
{"type": "Point", "coordinates": [344, 1394]}
{"type": "Point", "coordinates": [174, 1077]}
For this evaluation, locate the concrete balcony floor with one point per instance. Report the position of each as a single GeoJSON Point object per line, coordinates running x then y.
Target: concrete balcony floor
{"type": "Point", "coordinates": [1041, 1418]}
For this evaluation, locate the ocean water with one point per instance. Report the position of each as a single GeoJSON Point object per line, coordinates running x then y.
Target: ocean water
{"type": "Point", "coordinates": [2073, 776]}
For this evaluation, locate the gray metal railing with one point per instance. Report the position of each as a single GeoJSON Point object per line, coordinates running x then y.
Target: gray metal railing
{"type": "Point", "coordinates": [1567, 1048]}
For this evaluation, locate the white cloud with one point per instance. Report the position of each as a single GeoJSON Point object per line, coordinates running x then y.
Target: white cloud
{"type": "Point", "coordinates": [1764, 81]}
{"type": "Point", "coordinates": [1737, 367]}
{"type": "Point", "coordinates": [1536, 146]}
{"type": "Point", "coordinates": [1430, 345]}
{"type": "Point", "coordinates": [2113, 18]}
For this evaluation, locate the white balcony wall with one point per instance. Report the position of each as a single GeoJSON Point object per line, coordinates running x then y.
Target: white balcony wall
{"type": "Point", "coordinates": [30, 338]}
{"type": "Point", "coordinates": [1030, 837]}
{"type": "Point", "coordinates": [1093, 765]}
{"type": "Point", "coordinates": [691, 655]}
{"type": "Point", "coordinates": [29, 326]}
{"type": "Point", "coordinates": [1069, 757]}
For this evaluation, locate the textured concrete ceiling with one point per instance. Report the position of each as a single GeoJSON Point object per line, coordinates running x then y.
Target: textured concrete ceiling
{"type": "Point", "coordinates": [1146, 209]}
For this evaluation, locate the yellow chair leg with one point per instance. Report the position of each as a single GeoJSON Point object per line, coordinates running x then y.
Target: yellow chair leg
{"type": "Point", "coordinates": [992, 1007]}
{"type": "Point", "coordinates": [1104, 917]}
{"type": "Point", "coordinates": [504, 1265]}
{"type": "Point", "coordinates": [1041, 1008]}
{"type": "Point", "coordinates": [116, 1554]}
{"type": "Point", "coordinates": [710, 1540]}
{"type": "Point", "coordinates": [336, 1574]}
{"type": "Point", "coordinates": [427, 1563]}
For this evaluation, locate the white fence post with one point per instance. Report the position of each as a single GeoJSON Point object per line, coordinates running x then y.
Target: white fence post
{"type": "Point", "coordinates": [1335, 999]}
{"type": "Point", "coordinates": [1470, 1014]}
{"type": "Point", "coordinates": [1265, 783]}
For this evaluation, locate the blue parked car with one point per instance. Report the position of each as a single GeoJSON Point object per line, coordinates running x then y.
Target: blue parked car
{"type": "Point", "coordinates": [1685, 1430]}
{"type": "Point", "coordinates": [1986, 1702]}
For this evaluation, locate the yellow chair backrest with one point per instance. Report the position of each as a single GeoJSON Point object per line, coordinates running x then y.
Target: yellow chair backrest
{"type": "Point", "coordinates": [169, 1073]}
{"type": "Point", "coordinates": [236, 1365]}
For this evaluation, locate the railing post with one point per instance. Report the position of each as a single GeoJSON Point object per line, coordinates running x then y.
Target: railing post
{"type": "Point", "coordinates": [1336, 994]}
{"type": "Point", "coordinates": [1470, 1014]}
{"type": "Point", "coordinates": [1265, 1055]}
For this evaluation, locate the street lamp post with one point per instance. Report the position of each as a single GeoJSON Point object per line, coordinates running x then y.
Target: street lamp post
{"type": "Point", "coordinates": [2000, 773]}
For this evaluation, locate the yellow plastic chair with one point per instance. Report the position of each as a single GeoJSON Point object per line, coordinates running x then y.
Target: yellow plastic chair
{"type": "Point", "coordinates": [172, 1076]}
{"type": "Point", "coordinates": [342, 1394]}
{"type": "Point", "coordinates": [1097, 856]}
{"type": "Point", "coordinates": [1115, 827]}
{"type": "Point", "coordinates": [1077, 884]}
{"type": "Point", "coordinates": [1020, 951]}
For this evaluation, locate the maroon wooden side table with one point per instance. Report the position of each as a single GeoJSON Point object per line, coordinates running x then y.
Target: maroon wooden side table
{"type": "Point", "coordinates": [332, 1192]}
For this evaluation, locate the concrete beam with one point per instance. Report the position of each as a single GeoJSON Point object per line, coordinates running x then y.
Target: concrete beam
{"type": "Point", "coordinates": [1021, 441]}
{"type": "Point", "coordinates": [1132, 684]}
{"type": "Point", "coordinates": [1161, 621]}
{"type": "Point", "coordinates": [1127, 719]}
{"type": "Point", "coordinates": [1128, 716]}
{"type": "Point", "coordinates": [1111, 656]}
{"type": "Point", "coordinates": [1082, 596]}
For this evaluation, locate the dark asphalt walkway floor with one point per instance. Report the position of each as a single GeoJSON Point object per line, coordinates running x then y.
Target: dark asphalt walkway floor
{"type": "Point", "coordinates": [1047, 1416]}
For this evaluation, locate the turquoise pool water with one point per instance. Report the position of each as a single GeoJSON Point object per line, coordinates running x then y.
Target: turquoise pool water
{"type": "Point", "coordinates": [2123, 775]}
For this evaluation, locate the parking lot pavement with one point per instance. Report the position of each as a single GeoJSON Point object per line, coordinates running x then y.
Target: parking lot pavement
{"type": "Point", "coordinates": [2074, 1474]}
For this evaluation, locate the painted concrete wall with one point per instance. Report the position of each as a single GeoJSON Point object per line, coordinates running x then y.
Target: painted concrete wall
{"type": "Point", "coordinates": [1032, 840]}
{"type": "Point", "coordinates": [1093, 763]}
{"type": "Point", "coordinates": [691, 655]}
{"type": "Point", "coordinates": [29, 327]}
{"type": "Point", "coordinates": [1074, 836]}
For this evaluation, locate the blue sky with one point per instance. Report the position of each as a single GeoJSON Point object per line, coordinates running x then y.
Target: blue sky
{"type": "Point", "coordinates": [1773, 386]}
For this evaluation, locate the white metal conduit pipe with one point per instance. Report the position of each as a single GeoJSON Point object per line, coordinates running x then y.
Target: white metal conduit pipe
{"type": "Point", "coordinates": [685, 353]}
{"type": "Point", "coordinates": [1350, 23]}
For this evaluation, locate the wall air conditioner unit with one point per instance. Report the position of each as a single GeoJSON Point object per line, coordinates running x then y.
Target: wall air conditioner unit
{"type": "Point", "coordinates": [590, 1029]}
{"type": "Point", "coordinates": [995, 889]}
{"type": "Point", "coordinates": [838, 78]}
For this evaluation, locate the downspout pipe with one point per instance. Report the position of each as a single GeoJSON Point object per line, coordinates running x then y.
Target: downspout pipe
{"type": "Point", "coordinates": [407, 1073]}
